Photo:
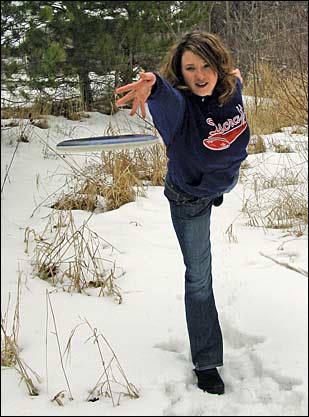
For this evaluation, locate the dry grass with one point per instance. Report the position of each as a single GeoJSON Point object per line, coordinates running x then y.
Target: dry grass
{"type": "Point", "coordinates": [256, 145]}
{"type": "Point", "coordinates": [113, 381]}
{"type": "Point", "coordinates": [280, 100]}
{"type": "Point", "coordinates": [10, 351]}
{"type": "Point", "coordinates": [78, 200]}
{"type": "Point", "coordinates": [264, 119]}
{"type": "Point", "coordinates": [277, 199]}
{"type": "Point", "coordinates": [119, 189]}
{"type": "Point", "coordinates": [280, 148]}
{"type": "Point", "coordinates": [145, 164]}
{"type": "Point", "coordinates": [287, 210]}
{"type": "Point", "coordinates": [70, 108]}
{"type": "Point", "coordinates": [117, 178]}
{"type": "Point", "coordinates": [70, 258]}
{"type": "Point", "coordinates": [42, 123]}
{"type": "Point", "coordinates": [9, 342]}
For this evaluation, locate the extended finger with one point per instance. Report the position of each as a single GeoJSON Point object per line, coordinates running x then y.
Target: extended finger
{"type": "Point", "coordinates": [126, 98]}
{"type": "Point", "coordinates": [143, 110]}
{"type": "Point", "coordinates": [129, 87]}
{"type": "Point", "coordinates": [134, 107]}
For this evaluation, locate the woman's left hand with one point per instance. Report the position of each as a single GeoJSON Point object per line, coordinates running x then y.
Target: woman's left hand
{"type": "Point", "coordinates": [237, 73]}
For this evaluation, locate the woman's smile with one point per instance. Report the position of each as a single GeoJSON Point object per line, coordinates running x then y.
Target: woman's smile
{"type": "Point", "coordinates": [198, 75]}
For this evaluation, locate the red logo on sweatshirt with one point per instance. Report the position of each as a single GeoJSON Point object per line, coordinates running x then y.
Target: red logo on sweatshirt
{"type": "Point", "coordinates": [224, 135]}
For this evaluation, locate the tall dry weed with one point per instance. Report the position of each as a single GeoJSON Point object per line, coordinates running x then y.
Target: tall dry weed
{"type": "Point", "coordinates": [116, 178]}
{"type": "Point", "coordinates": [278, 99]}
{"type": "Point", "coordinates": [10, 350]}
{"type": "Point", "coordinates": [70, 257]}
{"type": "Point", "coordinates": [277, 198]}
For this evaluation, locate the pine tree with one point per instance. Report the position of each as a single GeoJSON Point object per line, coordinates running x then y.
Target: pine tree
{"type": "Point", "coordinates": [64, 43]}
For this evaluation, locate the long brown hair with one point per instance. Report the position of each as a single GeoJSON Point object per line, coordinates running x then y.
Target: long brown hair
{"type": "Point", "coordinates": [211, 49]}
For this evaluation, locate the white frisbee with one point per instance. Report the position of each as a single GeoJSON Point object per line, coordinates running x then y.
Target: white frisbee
{"type": "Point", "coordinates": [102, 143]}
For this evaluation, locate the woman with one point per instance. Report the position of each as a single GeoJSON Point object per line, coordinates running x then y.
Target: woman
{"type": "Point", "coordinates": [196, 105]}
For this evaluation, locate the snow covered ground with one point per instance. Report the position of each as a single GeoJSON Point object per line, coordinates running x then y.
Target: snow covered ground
{"type": "Point", "coordinates": [262, 304]}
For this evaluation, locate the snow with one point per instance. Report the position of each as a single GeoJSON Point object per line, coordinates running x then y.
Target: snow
{"type": "Point", "coordinates": [262, 304]}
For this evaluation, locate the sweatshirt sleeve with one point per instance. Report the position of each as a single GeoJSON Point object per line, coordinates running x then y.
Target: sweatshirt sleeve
{"type": "Point", "coordinates": [239, 83]}
{"type": "Point", "coordinates": [166, 105]}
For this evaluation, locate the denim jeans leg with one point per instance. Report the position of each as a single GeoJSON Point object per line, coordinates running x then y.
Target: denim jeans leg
{"type": "Point", "coordinates": [191, 221]}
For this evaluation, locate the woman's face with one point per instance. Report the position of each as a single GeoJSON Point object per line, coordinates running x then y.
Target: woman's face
{"type": "Point", "coordinates": [198, 75]}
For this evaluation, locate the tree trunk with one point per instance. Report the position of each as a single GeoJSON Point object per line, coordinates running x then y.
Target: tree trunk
{"type": "Point", "coordinates": [85, 91]}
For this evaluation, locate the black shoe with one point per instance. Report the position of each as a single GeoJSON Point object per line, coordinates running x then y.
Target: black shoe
{"type": "Point", "coordinates": [210, 381]}
{"type": "Point", "coordinates": [218, 201]}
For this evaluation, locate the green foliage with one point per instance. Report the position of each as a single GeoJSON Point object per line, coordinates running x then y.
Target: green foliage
{"type": "Point", "coordinates": [51, 58]}
{"type": "Point", "coordinates": [11, 68]}
{"type": "Point", "coordinates": [46, 14]}
{"type": "Point", "coordinates": [44, 57]}
{"type": "Point", "coordinates": [67, 40]}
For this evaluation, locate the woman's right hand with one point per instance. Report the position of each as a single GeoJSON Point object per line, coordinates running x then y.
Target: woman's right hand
{"type": "Point", "coordinates": [138, 91]}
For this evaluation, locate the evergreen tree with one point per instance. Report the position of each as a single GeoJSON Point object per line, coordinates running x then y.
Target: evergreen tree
{"type": "Point", "coordinates": [66, 42]}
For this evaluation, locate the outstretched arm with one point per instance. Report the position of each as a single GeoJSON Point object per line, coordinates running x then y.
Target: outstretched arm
{"type": "Point", "coordinates": [138, 91]}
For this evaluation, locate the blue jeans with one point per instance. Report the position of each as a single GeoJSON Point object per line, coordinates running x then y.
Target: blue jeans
{"type": "Point", "coordinates": [191, 221]}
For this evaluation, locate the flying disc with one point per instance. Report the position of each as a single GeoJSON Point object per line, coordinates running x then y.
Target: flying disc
{"type": "Point", "coordinates": [102, 143]}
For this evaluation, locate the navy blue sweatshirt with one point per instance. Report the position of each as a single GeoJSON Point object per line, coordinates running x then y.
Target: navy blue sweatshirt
{"type": "Point", "coordinates": [205, 142]}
